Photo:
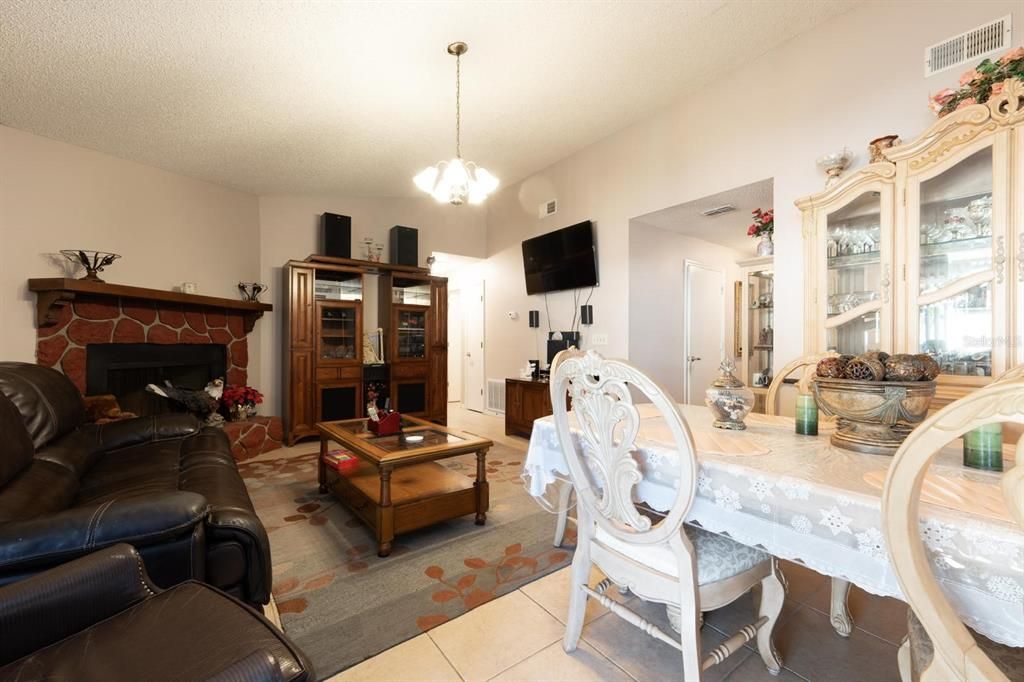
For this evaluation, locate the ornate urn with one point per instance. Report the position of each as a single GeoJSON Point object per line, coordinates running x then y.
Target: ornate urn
{"type": "Point", "coordinates": [873, 416]}
{"type": "Point", "coordinates": [729, 399]}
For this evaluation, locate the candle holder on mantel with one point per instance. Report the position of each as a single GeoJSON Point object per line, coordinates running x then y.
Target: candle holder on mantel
{"type": "Point", "coordinates": [93, 261]}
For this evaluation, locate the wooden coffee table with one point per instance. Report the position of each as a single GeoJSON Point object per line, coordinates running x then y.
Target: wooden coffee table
{"type": "Point", "coordinates": [399, 486]}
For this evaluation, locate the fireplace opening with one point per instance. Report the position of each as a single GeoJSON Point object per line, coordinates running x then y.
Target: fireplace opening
{"type": "Point", "coordinates": [124, 369]}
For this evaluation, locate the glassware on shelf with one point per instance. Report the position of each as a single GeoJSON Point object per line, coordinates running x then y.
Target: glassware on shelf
{"type": "Point", "coordinates": [980, 213]}
{"type": "Point", "coordinates": [955, 331]}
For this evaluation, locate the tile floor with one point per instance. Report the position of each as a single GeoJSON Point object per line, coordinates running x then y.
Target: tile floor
{"type": "Point", "coordinates": [518, 636]}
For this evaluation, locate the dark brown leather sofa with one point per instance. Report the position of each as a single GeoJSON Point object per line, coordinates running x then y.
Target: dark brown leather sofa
{"type": "Point", "coordinates": [163, 484]}
{"type": "Point", "coordinates": [101, 618]}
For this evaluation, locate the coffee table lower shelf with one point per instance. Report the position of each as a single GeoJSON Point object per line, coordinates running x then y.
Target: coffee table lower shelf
{"type": "Point", "coordinates": [420, 495]}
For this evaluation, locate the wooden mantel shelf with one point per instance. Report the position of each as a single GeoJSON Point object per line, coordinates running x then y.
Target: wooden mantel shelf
{"type": "Point", "coordinates": [52, 293]}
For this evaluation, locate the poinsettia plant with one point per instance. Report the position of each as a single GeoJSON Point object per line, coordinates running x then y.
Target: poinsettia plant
{"type": "Point", "coordinates": [246, 396]}
{"type": "Point", "coordinates": [764, 223]}
{"type": "Point", "coordinates": [980, 83]}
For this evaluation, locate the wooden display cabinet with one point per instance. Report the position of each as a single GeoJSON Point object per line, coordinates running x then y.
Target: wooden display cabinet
{"type": "Point", "coordinates": [323, 353]}
{"type": "Point", "coordinates": [525, 400]}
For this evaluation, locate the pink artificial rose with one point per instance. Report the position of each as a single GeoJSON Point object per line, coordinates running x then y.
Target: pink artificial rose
{"type": "Point", "coordinates": [939, 99]}
{"type": "Point", "coordinates": [1012, 55]}
{"type": "Point", "coordinates": [966, 103]}
{"type": "Point", "coordinates": [970, 77]}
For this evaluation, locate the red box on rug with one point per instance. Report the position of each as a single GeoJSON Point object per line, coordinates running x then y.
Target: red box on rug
{"type": "Point", "coordinates": [389, 424]}
{"type": "Point", "coordinates": [342, 461]}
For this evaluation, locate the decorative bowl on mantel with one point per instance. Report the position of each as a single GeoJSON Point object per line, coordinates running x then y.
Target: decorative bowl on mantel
{"type": "Point", "coordinates": [874, 417]}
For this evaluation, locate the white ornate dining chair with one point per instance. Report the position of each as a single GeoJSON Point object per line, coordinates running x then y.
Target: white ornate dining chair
{"type": "Point", "coordinates": [658, 559]}
{"type": "Point", "coordinates": [938, 646]}
{"type": "Point", "coordinates": [842, 621]}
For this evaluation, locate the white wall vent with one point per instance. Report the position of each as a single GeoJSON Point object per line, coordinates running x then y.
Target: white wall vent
{"type": "Point", "coordinates": [496, 395]}
{"type": "Point", "coordinates": [969, 46]}
{"type": "Point", "coordinates": [547, 208]}
{"type": "Point", "coordinates": [717, 210]}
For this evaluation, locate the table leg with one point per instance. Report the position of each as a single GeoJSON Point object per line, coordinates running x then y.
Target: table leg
{"type": "Point", "coordinates": [481, 487]}
{"type": "Point", "coordinates": [385, 515]}
{"type": "Point", "coordinates": [842, 622]}
{"type": "Point", "coordinates": [321, 468]}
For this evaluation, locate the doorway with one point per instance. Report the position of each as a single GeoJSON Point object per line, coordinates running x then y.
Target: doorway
{"type": "Point", "coordinates": [473, 374]}
{"type": "Point", "coordinates": [704, 328]}
{"type": "Point", "coordinates": [466, 378]}
{"type": "Point", "coordinates": [455, 344]}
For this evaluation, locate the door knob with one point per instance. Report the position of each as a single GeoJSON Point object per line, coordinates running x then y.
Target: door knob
{"type": "Point", "coordinates": [692, 358]}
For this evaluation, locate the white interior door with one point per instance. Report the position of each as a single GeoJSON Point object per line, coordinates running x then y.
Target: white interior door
{"type": "Point", "coordinates": [473, 351]}
{"type": "Point", "coordinates": [455, 346]}
{"type": "Point", "coordinates": [705, 328]}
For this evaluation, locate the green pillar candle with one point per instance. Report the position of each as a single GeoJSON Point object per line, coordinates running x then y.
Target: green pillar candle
{"type": "Point", "coordinates": [983, 448]}
{"type": "Point", "coordinates": [806, 415]}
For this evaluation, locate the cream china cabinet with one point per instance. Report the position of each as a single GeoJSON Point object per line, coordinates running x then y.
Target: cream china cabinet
{"type": "Point", "coordinates": [925, 253]}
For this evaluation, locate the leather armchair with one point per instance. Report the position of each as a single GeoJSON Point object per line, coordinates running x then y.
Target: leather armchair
{"type": "Point", "coordinates": [100, 617]}
{"type": "Point", "coordinates": [165, 484]}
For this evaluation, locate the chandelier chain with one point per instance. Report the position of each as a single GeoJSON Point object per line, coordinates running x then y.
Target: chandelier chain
{"type": "Point", "coordinates": [458, 106]}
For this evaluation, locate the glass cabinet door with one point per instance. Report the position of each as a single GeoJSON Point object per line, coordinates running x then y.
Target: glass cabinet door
{"type": "Point", "coordinates": [411, 331]}
{"type": "Point", "coordinates": [854, 277]}
{"type": "Point", "coordinates": [760, 342]}
{"type": "Point", "coordinates": [338, 333]}
{"type": "Point", "coordinates": [955, 266]}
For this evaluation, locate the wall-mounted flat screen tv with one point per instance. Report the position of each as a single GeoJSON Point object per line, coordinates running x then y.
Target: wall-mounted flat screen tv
{"type": "Point", "coordinates": [563, 259]}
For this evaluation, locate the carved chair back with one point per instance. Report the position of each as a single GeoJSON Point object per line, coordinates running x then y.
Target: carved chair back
{"type": "Point", "coordinates": [808, 364]}
{"type": "Point", "coordinates": [957, 656]}
{"type": "Point", "coordinates": [603, 459]}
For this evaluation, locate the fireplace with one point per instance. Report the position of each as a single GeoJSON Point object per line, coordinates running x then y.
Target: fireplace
{"type": "Point", "coordinates": [124, 369]}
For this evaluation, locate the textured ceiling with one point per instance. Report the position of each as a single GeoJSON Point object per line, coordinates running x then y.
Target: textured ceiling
{"type": "Point", "coordinates": [355, 97]}
{"type": "Point", "coordinates": [725, 229]}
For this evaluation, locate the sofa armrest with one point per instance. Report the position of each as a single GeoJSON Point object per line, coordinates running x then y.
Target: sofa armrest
{"type": "Point", "coordinates": [50, 606]}
{"type": "Point", "coordinates": [140, 521]}
{"type": "Point", "coordinates": [129, 432]}
{"type": "Point", "coordinates": [259, 666]}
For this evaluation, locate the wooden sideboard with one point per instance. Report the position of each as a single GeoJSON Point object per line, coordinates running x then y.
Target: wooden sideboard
{"type": "Point", "coordinates": [525, 400]}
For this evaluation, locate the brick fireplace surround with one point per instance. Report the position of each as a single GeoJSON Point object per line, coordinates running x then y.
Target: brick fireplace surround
{"type": "Point", "coordinates": [70, 319]}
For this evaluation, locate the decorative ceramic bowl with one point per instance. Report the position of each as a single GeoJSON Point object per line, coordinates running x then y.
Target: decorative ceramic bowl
{"type": "Point", "coordinates": [873, 416]}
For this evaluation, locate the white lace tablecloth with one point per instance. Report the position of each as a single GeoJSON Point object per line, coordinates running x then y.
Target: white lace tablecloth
{"type": "Point", "coordinates": [807, 501]}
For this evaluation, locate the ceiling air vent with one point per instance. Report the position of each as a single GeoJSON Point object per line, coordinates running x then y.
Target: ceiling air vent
{"type": "Point", "coordinates": [969, 46]}
{"type": "Point", "coordinates": [718, 210]}
{"type": "Point", "coordinates": [547, 208]}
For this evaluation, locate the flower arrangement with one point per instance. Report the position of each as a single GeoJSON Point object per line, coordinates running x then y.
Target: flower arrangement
{"type": "Point", "coordinates": [979, 84]}
{"type": "Point", "coordinates": [764, 223]}
{"type": "Point", "coordinates": [241, 396]}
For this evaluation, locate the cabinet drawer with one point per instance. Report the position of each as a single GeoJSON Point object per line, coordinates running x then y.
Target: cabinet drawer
{"type": "Point", "coordinates": [350, 372]}
{"type": "Point", "coordinates": [327, 372]}
{"type": "Point", "coordinates": [403, 370]}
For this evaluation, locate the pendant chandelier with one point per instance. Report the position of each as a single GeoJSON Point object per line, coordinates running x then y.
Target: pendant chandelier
{"type": "Point", "coordinates": [457, 181]}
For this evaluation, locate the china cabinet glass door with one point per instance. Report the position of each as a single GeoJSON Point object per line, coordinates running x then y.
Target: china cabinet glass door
{"type": "Point", "coordinates": [411, 330]}
{"type": "Point", "coordinates": [760, 342]}
{"type": "Point", "coordinates": [858, 276]}
{"type": "Point", "coordinates": [957, 257]}
{"type": "Point", "coordinates": [339, 339]}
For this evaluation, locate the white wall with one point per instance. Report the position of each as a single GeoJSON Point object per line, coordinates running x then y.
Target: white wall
{"type": "Point", "coordinates": [168, 228]}
{"type": "Point", "coordinates": [657, 306]}
{"type": "Point", "coordinates": [850, 80]}
{"type": "Point", "coordinates": [289, 229]}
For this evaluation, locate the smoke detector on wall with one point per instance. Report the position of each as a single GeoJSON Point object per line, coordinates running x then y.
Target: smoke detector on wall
{"type": "Point", "coordinates": [547, 208]}
{"type": "Point", "coordinates": [969, 46]}
{"type": "Point", "coordinates": [718, 210]}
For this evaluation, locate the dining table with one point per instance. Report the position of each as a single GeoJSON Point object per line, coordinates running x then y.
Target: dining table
{"type": "Point", "coordinates": [802, 499]}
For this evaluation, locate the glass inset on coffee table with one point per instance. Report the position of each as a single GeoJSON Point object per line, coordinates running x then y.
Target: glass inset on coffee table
{"type": "Point", "coordinates": [399, 485]}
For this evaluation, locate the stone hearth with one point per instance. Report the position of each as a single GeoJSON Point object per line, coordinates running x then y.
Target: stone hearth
{"type": "Point", "coordinates": [100, 319]}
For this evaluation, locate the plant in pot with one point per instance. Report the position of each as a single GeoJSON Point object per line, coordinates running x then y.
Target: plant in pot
{"type": "Point", "coordinates": [763, 227]}
{"type": "Point", "coordinates": [241, 401]}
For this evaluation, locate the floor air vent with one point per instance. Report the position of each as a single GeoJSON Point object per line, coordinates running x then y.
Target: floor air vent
{"type": "Point", "coordinates": [496, 395]}
{"type": "Point", "coordinates": [969, 46]}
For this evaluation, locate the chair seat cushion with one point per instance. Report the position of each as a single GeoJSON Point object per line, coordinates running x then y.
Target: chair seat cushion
{"type": "Point", "coordinates": [718, 557]}
{"type": "Point", "coordinates": [1007, 658]}
{"type": "Point", "coordinates": [188, 632]}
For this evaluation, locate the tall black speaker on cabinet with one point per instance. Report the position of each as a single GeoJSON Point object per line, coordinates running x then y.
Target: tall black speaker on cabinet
{"type": "Point", "coordinates": [337, 235]}
{"type": "Point", "coordinates": [404, 249]}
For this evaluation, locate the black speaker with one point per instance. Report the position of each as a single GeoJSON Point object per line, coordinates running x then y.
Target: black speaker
{"type": "Point", "coordinates": [404, 249]}
{"type": "Point", "coordinates": [586, 314]}
{"type": "Point", "coordinates": [534, 319]}
{"type": "Point", "coordinates": [337, 235]}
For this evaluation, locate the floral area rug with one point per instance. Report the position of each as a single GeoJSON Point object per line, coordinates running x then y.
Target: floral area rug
{"type": "Point", "coordinates": [341, 603]}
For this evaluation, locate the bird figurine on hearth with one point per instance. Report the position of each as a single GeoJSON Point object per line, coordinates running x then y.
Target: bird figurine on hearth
{"type": "Point", "coordinates": [203, 404]}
